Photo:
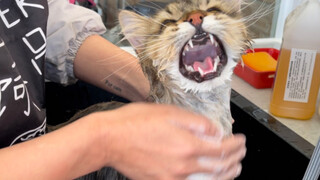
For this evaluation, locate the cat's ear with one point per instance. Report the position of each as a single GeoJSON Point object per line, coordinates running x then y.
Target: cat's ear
{"type": "Point", "coordinates": [133, 27]}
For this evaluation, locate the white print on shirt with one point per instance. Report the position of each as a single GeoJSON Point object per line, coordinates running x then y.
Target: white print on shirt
{"type": "Point", "coordinates": [37, 52]}
{"type": "Point", "coordinates": [21, 5]}
{"type": "Point", "coordinates": [5, 21]}
{"type": "Point", "coordinates": [24, 91]}
{"type": "Point", "coordinates": [20, 91]}
{"type": "Point", "coordinates": [41, 130]}
{"type": "Point", "coordinates": [1, 43]}
{"type": "Point", "coordinates": [6, 83]}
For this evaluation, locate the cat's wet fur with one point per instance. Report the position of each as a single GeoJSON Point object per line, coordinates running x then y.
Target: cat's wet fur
{"type": "Point", "coordinates": [163, 46]}
{"type": "Point", "coordinates": [163, 41]}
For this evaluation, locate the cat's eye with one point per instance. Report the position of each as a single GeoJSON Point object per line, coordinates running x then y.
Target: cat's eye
{"type": "Point", "coordinates": [214, 9]}
{"type": "Point", "coordinates": [168, 21]}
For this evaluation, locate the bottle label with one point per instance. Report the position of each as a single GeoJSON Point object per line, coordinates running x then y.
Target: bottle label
{"type": "Point", "coordinates": [300, 72]}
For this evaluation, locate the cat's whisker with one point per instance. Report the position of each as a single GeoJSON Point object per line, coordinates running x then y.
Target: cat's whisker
{"type": "Point", "coordinates": [156, 5]}
{"type": "Point", "coordinates": [108, 63]}
{"type": "Point", "coordinates": [150, 6]}
{"type": "Point", "coordinates": [112, 57]}
{"type": "Point", "coordinates": [255, 15]}
{"type": "Point", "coordinates": [152, 43]}
{"type": "Point", "coordinates": [146, 35]}
{"type": "Point", "coordinates": [112, 62]}
{"type": "Point", "coordinates": [137, 68]}
{"type": "Point", "coordinates": [146, 17]}
{"type": "Point", "coordinates": [246, 5]}
{"type": "Point", "coordinates": [155, 51]}
{"type": "Point", "coordinates": [164, 37]}
{"type": "Point", "coordinates": [120, 41]}
{"type": "Point", "coordinates": [160, 44]}
{"type": "Point", "coordinates": [120, 69]}
{"type": "Point", "coordinates": [262, 11]}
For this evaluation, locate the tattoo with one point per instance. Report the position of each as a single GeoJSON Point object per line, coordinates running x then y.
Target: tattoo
{"type": "Point", "coordinates": [112, 86]}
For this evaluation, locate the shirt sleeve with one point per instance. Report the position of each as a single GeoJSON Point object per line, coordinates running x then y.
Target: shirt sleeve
{"type": "Point", "coordinates": [68, 26]}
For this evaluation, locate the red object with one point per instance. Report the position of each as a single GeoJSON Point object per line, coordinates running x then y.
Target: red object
{"type": "Point", "coordinates": [257, 79]}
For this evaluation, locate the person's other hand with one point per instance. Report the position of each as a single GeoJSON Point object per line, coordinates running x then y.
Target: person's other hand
{"type": "Point", "coordinates": [148, 141]}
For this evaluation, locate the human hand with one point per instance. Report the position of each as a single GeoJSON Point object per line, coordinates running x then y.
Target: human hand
{"type": "Point", "coordinates": [148, 141]}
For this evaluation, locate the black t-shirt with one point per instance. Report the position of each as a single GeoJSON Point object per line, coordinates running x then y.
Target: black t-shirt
{"type": "Point", "coordinates": [22, 50]}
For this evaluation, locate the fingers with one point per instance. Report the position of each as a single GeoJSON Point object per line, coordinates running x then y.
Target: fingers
{"type": "Point", "coordinates": [232, 173]}
{"type": "Point", "coordinates": [219, 166]}
{"type": "Point", "coordinates": [195, 123]}
{"type": "Point", "coordinates": [207, 168]}
{"type": "Point", "coordinates": [221, 148]}
{"type": "Point", "coordinates": [221, 160]}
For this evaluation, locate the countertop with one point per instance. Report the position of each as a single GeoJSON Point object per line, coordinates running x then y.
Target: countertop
{"type": "Point", "coordinates": [307, 129]}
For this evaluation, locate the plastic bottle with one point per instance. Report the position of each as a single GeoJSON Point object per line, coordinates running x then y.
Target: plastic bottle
{"type": "Point", "coordinates": [297, 79]}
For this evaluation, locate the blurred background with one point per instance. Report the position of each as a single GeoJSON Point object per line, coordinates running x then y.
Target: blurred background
{"type": "Point", "coordinates": [267, 25]}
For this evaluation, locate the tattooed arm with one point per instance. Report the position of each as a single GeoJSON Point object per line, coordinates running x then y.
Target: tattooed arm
{"type": "Point", "coordinates": [97, 61]}
{"type": "Point", "coordinates": [105, 65]}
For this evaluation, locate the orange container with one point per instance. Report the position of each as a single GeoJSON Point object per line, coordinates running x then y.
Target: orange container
{"type": "Point", "coordinates": [257, 79]}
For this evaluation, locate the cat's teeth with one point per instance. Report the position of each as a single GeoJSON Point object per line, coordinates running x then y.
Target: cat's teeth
{"type": "Point", "coordinates": [190, 43]}
{"type": "Point", "coordinates": [201, 71]}
{"type": "Point", "coordinates": [211, 38]}
{"type": "Point", "coordinates": [216, 43]}
{"type": "Point", "coordinates": [216, 63]}
{"type": "Point", "coordinates": [189, 68]}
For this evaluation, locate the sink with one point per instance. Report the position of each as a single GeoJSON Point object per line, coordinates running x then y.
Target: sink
{"type": "Point", "coordinates": [273, 151]}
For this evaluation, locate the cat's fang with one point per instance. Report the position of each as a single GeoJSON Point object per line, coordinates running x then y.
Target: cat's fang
{"type": "Point", "coordinates": [189, 68]}
{"type": "Point", "coordinates": [190, 43]}
{"type": "Point", "coordinates": [216, 63]}
{"type": "Point", "coordinates": [211, 38]}
{"type": "Point", "coordinates": [201, 72]}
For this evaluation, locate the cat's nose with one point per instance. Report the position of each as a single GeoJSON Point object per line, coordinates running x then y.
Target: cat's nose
{"type": "Point", "coordinates": [196, 18]}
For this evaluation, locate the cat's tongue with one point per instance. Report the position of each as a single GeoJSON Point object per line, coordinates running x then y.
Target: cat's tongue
{"type": "Point", "coordinates": [204, 67]}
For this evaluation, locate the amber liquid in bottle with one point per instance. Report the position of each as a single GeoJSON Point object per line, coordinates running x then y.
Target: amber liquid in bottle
{"type": "Point", "coordinates": [304, 107]}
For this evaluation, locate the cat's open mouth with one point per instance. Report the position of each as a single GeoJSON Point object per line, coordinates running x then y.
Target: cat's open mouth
{"type": "Point", "coordinates": [202, 58]}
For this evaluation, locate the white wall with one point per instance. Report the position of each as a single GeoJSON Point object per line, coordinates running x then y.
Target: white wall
{"type": "Point", "coordinates": [286, 7]}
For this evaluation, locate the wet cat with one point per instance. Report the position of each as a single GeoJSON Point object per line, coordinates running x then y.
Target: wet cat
{"type": "Point", "coordinates": [188, 51]}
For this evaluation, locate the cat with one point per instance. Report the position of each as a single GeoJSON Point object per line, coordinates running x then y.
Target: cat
{"type": "Point", "coordinates": [188, 51]}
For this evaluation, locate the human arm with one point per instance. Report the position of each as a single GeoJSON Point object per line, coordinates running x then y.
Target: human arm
{"type": "Point", "coordinates": [107, 66]}
{"type": "Point", "coordinates": [75, 50]}
{"type": "Point", "coordinates": [139, 140]}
